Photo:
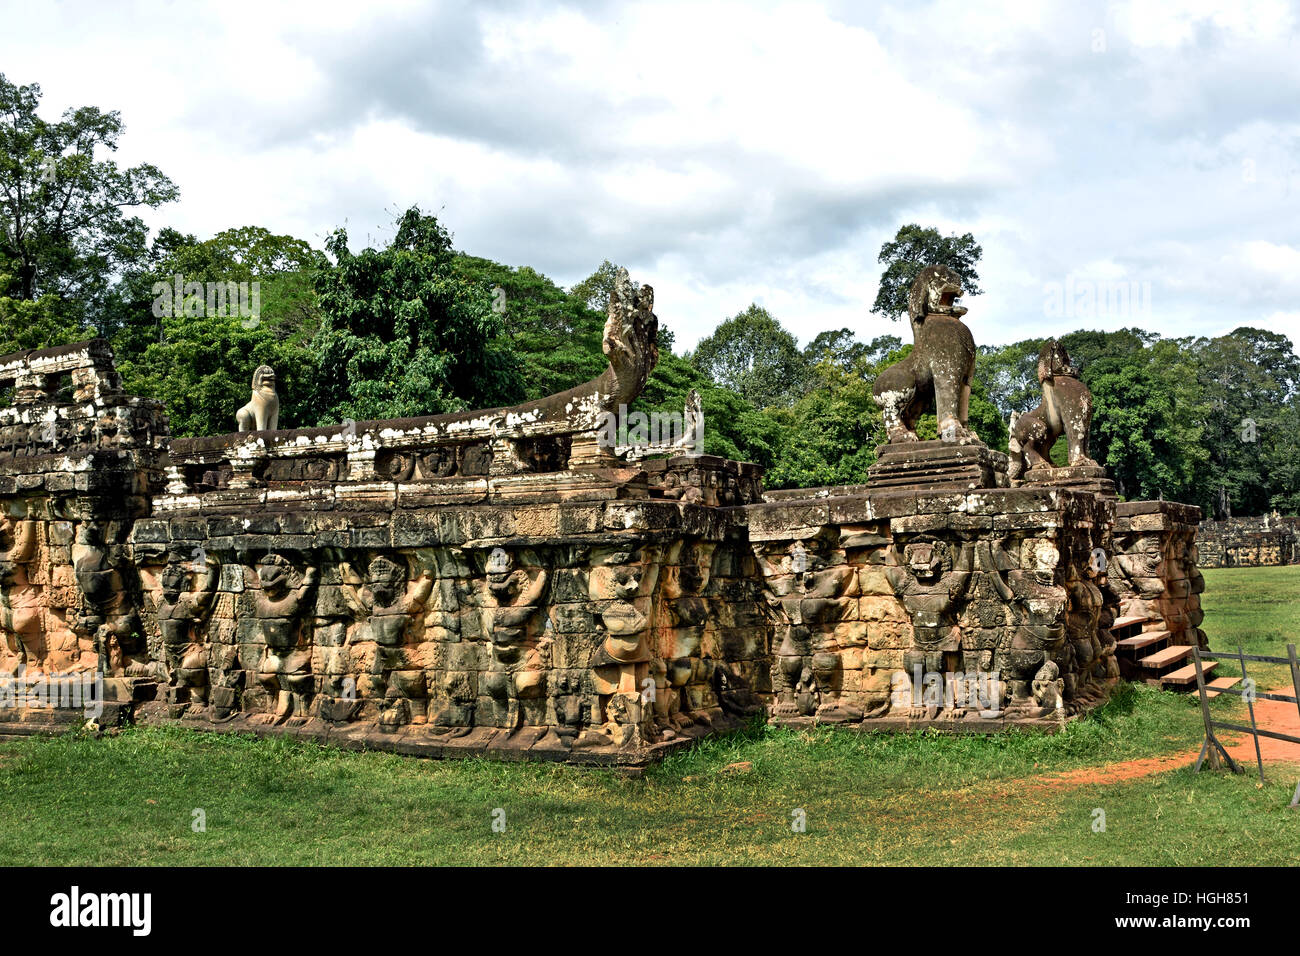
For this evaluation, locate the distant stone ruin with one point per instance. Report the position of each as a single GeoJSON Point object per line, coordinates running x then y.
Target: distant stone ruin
{"type": "Point", "coordinates": [509, 582]}
{"type": "Point", "coordinates": [1270, 541]}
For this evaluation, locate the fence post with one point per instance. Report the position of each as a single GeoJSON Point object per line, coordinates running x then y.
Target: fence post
{"type": "Point", "coordinates": [1211, 745]}
{"type": "Point", "coordinates": [1295, 690]}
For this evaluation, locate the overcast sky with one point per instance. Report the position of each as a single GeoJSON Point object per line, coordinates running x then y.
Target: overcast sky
{"type": "Point", "coordinates": [1142, 155]}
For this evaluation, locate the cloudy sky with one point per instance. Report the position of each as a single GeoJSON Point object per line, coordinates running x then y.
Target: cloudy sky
{"type": "Point", "coordinates": [1121, 164]}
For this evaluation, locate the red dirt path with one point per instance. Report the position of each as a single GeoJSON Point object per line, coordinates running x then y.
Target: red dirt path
{"type": "Point", "coordinates": [1269, 715]}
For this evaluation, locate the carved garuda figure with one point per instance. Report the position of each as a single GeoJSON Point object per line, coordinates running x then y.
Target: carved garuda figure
{"type": "Point", "coordinates": [280, 609]}
{"type": "Point", "coordinates": [110, 616]}
{"type": "Point", "coordinates": [1066, 409]}
{"type": "Point", "coordinates": [389, 610]}
{"type": "Point", "coordinates": [22, 609]}
{"type": "Point", "coordinates": [515, 596]}
{"type": "Point", "coordinates": [938, 371]}
{"type": "Point", "coordinates": [931, 585]}
{"type": "Point", "coordinates": [184, 599]}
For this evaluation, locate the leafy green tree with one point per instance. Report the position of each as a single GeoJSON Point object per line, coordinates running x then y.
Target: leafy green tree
{"type": "Point", "coordinates": [595, 290]}
{"type": "Point", "coordinates": [829, 436]}
{"type": "Point", "coordinates": [911, 250]}
{"type": "Point", "coordinates": [1009, 375]}
{"type": "Point", "coordinates": [1249, 380]}
{"type": "Point", "coordinates": [1141, 431]}
{"type": "Point", "coordinates": [1281, 459]}
{"type": "Point", "coordinates": [556, 334]}
{"type": "Point", "coordinates": [1086, 346]}
{"type": "Point", "coordinates": [402, 334]}
{"type": "Point", "coordinates": [64, 231]}
{"type": "Point", "coordinates": [752, 354]}
{"type": "Point", "coordinates": [733, 428]}
{"type": "Point", "coordinates": [201, 363]}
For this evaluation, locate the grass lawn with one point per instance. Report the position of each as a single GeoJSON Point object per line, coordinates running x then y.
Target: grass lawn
{"type": "Point", "coordinates": [866, 799]}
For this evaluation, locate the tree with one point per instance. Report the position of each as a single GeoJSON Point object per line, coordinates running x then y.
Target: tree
{"type": "Point", "coordinates": [752, 354]}
{"type": "Point", "coordinates": [63, 226]}
{"type": "Point", "coordinates": [829, 436]}
{"type": "Point", "coordinates": [556, 334]}
{"type": "Point", "coordinates": [1249, 377]}
{"type": "Point", "coordinates": [402, 334]}
{"type": "Point", "coordinates": [595, 290]}
{"type": "Point", "coordinates": [1141, 431]}
{"type": "Point", "coordinates": [1009, 375]}
{"type": "Point", "coordinates": [200, 362]}
{"type": "Point", "coordinates": [910, 251]}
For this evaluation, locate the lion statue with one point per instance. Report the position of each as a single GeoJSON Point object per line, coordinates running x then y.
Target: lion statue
{"type": "Point", "coordinates": [939, 369]}
{"type": "Point", "coordinates": [262, 413]}
{"type": "Point", "coordinates": [1066, 409]}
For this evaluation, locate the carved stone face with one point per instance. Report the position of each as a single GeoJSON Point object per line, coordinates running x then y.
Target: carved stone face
{"type": "Point", "coordinates": [933, 292]}
{"type": "Point", "coordinates": [173, 582]}
{"type": "Point", "coordinates": [627, 582]}
{"type": "Point", "coordinates": [691, 578]}
{"type": "Point", "coordinates": [499, 564]}
{"type": "Point", "coordinates": [88, 535]}
{"type": "Point", "coordinates": [385, 581]}
{"type": "Point", "coordinates": [1054, 362]}
{"type": "Point", "coordinates": [264, 379]}
{"type": "Point", "coordinates": [926, 559]}
{"type": "Point", "coordinates": [273, 575]}
{"type": "Point", "coordinates": [1045, 557]}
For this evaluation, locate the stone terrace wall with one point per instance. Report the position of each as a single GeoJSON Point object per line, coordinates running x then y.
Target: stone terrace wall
{"type": "Point", "coordinates": [456, 592]}
{"type": "Point", "coordinates": [493, 583]}
{"type": "Point", "coordinates": [79, 461]}
{"type": "Point", "coordinates": [865, 587]}
{"type": "Point", "coordinates": [1249, 542]}
{"type": "Point", "coordinates": [1155, 566]}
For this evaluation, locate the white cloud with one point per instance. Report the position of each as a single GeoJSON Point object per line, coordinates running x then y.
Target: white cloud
{"type": "Point", "coordinates": [730, 153]}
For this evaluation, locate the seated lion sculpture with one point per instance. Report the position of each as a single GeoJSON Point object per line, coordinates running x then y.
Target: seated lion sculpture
{"type": "Point", "coordinates": [1066, 409]}
{"type": "Point", "coordinates": [262, 412]}
{"type": "Point", "coordinates": [939, 369]}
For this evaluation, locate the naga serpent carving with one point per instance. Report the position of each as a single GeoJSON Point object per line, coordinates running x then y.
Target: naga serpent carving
{"type": "Point", "coordinates": [631, 343]}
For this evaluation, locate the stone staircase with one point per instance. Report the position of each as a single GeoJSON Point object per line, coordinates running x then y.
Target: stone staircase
{"type": "Point", "coordinates": [1144, 652]}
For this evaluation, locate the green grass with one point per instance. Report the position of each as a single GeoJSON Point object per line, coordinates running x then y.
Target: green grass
{"type": "Point", "coordinates": [868, 799]}
{"type": "Point", "coordinates": [1258, 608]}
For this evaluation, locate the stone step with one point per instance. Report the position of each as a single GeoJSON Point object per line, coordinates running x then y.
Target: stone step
{"type": "Point", "coordinates": [1214, 687]}
{"type": "Point", "coordinates": [1166, 656]}
{"type": "Point", "coordinates": [1129, 621]}
{"type": "Point", "coordinates": [1187, 675]}
{"type": "Point", "coordinates": [1144, 639]}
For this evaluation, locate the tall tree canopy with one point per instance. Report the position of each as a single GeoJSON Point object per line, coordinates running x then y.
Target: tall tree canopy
{"type": "Point", "coordinates": [64, 227]}
{"type": "Point", "coordinates": [417, 327]}
{"type": "Point", "coordinates": [910, 251]}
{"type": "Point", "coordinates": [403, 334]}
{"type": "Point", "coordinates": [753, 355]}
{"type": "Point", "coordinates": [201, 362]}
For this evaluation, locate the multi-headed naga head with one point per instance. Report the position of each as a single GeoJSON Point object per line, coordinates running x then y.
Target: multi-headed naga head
{"type": "Point", "coordinates": [631, 338]}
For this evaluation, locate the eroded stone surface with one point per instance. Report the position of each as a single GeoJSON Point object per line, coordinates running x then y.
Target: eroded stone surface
{"type": "Point", "coordinates": [1249, 542]}
{"type": "Point", "coordinates": [503, 583]}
